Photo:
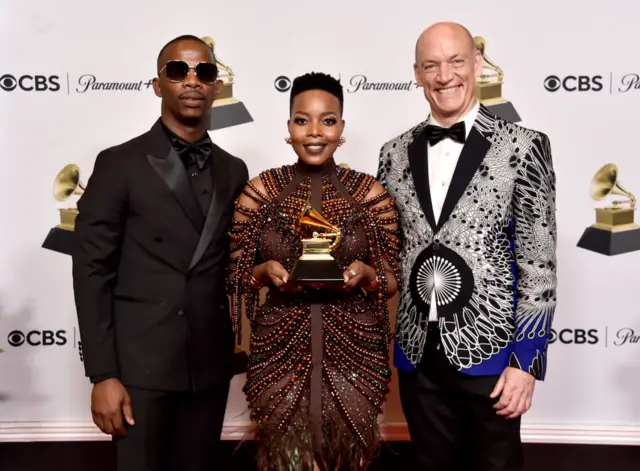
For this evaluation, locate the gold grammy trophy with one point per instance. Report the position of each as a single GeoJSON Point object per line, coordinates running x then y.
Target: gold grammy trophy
{"type": "Point", "coordinates": [66, 184]}
{"type": "Point", "coordinates": [490, 86]}
{"type": "Point", "coordinates": [228, 111]}
{"type": "Point", "coordinates": [614, 231]}
{"type": "Point", "coordinates": [316, 266]}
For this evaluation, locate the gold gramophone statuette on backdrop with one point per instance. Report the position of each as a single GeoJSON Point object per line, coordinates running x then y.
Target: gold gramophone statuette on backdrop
{"type": "Point", "coordinates": [618, 216]}
{"type": "Point", "coordinates": [489, 86]}
{"type": "Point", "coordinates": [229, 110]}
{"type": "Point", "coordinates": [66, 184]}
{"type": "Point", "coordinates": [614, 231]}
{"type": "Point", "coordinates": [226, 97]}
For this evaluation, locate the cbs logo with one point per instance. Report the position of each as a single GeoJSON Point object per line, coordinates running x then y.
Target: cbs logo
{"type": "Point", "coordinates": [37, 338]}
{"type": "Point", "coordinates": [574, 336]}
{"type": "Point", "coordinates": [282, 83]}
{"type": "Point", "coordinates": [573, 83]}
{"type": "Point", "coordinates": [29, 83]}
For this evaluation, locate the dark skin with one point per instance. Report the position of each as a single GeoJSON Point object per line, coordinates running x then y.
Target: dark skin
{"type": "Point", "coordinates": [185, 111]}
{"type": "Point", "coordinates": [316, 120]}
{"type": "Point", "coordinates": [186, 105]}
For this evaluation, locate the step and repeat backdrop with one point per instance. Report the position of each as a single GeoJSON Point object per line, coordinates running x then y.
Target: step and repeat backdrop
{"type": "Point", "coordinates": [75, 78]}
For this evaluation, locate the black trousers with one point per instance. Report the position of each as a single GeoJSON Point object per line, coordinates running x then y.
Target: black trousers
{"type": "Point", "coordinates": [451, 419]}
{"type": "Point", "coordinates": [173, 431]}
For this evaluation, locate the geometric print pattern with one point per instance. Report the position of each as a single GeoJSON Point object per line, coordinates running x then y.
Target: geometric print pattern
{"type": "Point", "coordinates": [503, 230]}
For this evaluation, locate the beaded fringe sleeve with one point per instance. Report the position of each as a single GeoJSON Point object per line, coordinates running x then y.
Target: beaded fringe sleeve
{"type": "Point", "coordinates": [254, 208]}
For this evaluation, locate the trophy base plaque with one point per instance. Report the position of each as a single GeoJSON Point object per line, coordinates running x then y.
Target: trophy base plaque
{"type": "Point", "coordinates": [316, 267]}
{"type": "Point", "coordinates": [490, 94]}
{"type": "Point", "coordinates": [228, 112]}
{"type": "Point", "coordinates": [614, 232]}
{"type": "Point", "coordinates": [610, 242]}
{"type": "Point", "coordinates": [503, 109]}
{"type": "Point", "coordinates": [60, 240]}
{"type": "Point", "coordinates": [319, 272]}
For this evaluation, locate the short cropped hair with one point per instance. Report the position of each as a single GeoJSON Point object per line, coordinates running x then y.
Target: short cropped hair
{"type": "Point", "coordinates": [316, 81]}
{"type": "Point", "coordinates": [184, 37]}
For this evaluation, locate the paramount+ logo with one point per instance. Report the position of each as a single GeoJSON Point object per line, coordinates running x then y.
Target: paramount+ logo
{"type": "Point", "coordinates": [574, 83]}
{"type": "Point", "coordinates": [37, 338]}
{"type": "Point", "coordinates": [29, 83]}
{"type": "Point", "coordinates": [575, 336]}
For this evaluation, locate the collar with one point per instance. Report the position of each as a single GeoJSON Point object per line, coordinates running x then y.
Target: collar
{"type": "Point", "coordinates": [173, 136]}
{"type": "Point", "coordinates": [468, 118]}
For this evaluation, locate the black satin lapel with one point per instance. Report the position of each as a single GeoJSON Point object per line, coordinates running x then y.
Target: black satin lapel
{"type": "Point", "coordinates": [473, 152]}
{"type": "Point", "coordinates": [419, 163]}
{"type": "Point", "coordinates": [172, 171]}
{"type": "Point", "coordinates": [221, 187]}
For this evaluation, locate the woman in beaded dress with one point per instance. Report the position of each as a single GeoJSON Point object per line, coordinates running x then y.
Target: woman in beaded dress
{"type": "Point", "coordinates": [318, 363]}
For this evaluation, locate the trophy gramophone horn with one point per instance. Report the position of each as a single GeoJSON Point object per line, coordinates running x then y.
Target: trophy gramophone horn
{"type": "Point", "coordinates": [311, 218]}
{"type": "Point", "coordinates": [481, 46]}
{"type": "Point", "coordinates": [316, 266]}
{"type": "Point", "coordinates": [67, 183]}
{"type": "Point", "coordinates": [605, 182]}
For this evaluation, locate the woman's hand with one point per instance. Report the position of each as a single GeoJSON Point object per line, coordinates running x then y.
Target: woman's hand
{"type": "Point", "coordinates": [273, 272]}
{"type": "Point", "coordinates": [359, 274]}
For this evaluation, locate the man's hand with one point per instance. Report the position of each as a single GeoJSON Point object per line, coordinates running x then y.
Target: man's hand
{"type": "Point", "coordinates": [515, 388]}
{"type": "Point", "coordinates": [109, 402]}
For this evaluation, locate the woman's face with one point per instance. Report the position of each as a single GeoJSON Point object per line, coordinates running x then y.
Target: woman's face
{"type": "Point", "coordinates": [315, 126]}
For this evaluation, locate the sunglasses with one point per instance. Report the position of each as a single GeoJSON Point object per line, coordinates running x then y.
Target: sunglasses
{"type": "Point", "coordinates": [177, 71]}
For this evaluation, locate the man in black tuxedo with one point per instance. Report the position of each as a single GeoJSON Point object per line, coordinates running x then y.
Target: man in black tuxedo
{"type": "Point", "coordinates": [149, 276]}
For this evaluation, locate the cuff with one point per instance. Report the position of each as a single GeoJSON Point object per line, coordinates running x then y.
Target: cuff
{"type": "Point", "coordinates": [100, 378]}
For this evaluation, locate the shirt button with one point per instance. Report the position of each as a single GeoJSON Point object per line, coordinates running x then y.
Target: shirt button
{"type": "Point", "coordinates": [443, 183]}
{"type": "Point", "coordinates": [446, 153]}
{"type": "Point", "coordinates": [181, 312]}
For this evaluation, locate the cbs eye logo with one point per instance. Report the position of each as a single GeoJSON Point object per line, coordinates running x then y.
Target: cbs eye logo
{"type": "Point", "coordinates": [8, 83]}
{"type": "Point", "coordinates": [282, 84]}
{"type": "Point", "coordinates": [36, 338]}
{"type": "Point", "coordinates": [573, 83]}
{"type": "Point", "coordinates": [30, 83]}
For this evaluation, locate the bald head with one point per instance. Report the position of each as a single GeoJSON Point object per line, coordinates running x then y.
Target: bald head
{"type": "Point", "coordinates": [445, 31]}
{"type": "Point", "coordinates": [446, 66]}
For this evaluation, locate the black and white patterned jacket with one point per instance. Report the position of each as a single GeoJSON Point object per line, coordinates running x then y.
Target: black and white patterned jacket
{"type": "Point", "coordinates": [493, 248]}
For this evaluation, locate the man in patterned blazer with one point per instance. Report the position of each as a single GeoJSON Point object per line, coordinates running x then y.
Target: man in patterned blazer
{"type": "Point", "coordinates": [476, 197]}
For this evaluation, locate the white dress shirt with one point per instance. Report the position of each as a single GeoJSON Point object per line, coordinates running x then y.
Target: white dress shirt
{"type": "Point", "coordinates": [443, 158]}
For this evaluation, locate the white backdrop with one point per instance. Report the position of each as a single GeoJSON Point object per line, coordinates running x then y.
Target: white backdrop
{"type": "Point", "coordinates": [592, 390]}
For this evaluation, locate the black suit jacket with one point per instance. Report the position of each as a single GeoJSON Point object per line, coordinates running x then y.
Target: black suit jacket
{"type": "Point", "coordinates": [149, 286]}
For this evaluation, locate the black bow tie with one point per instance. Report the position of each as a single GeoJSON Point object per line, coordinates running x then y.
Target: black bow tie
{"type": "Point", "coordinates": [190, 153]}
{"type": "Point", "coordinates": [456, 132]}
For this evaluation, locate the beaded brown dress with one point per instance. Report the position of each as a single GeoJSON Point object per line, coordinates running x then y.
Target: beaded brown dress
{"type": "Point", "coordinates": [318, 362]}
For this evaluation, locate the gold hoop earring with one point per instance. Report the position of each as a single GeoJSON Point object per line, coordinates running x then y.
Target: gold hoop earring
{"type": "Point", "coordinates": [342, 141]}
{"type": "Point", "coordinates": [287, 140]}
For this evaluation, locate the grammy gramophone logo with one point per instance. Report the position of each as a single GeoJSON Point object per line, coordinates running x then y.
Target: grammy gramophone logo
{"type": "Point", "coordinates": [66, 184]}
{"type": "Point", "coordinates": [614, 231]}
{"type": "Point", "coordinates": [490, 86]}
{"type": "Point", "coordinates": [227, 111]}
